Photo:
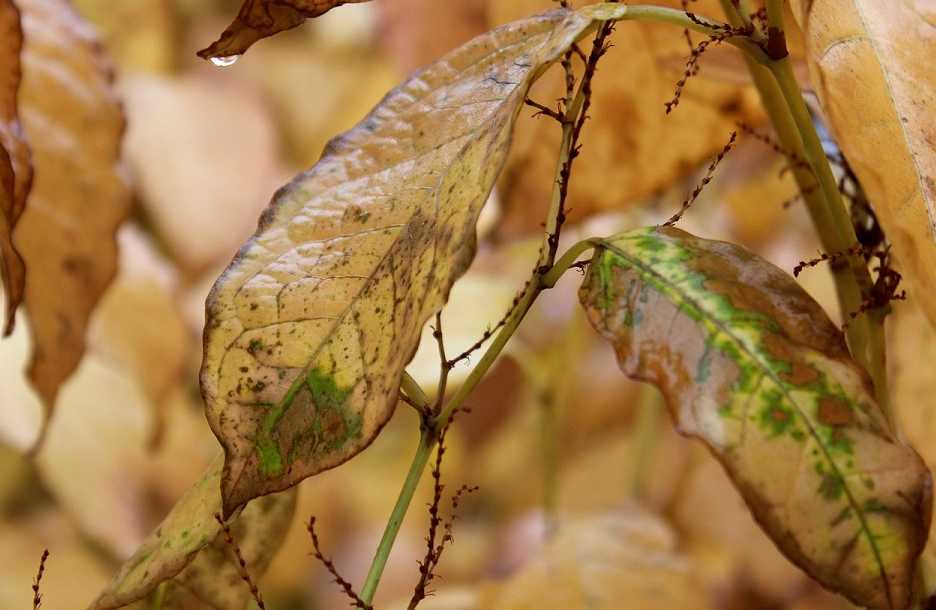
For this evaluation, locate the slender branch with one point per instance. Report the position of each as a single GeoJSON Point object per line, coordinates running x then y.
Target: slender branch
{"type": "Point", "coordinates": [414, 394]}
{"type": "Point", "coordinates": [241, 562]}
{"type": "Point", "coordinates": [782, 99]}
{"type": "Point", "coordinates": [37, 595]}
{"type": "Point", "coordinates": [427, 440]}
{"type": "Point", "coordinates": [356, 601]}
{"type": "Point", "coordinates": [444, 365]}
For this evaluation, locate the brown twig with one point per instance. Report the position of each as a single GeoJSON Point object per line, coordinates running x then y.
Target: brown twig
{"type": "Point", "coordinates": [37, 596]}
{"type": "Point", "coordinates": [544, 110]}
{"type": "Point", "coordinates": [795, 161]}
{"type": "Point", "coordinates": [241, 563]}
{"type": "Point", "coordinates": [708, 178]}
{"type": "Point", "coordinates": [465, 355]}
{"type": "Point", "coordinates": [832, 258]}
{"type": "Point", "coordinates": [435, 549]}
{"type": "Point", "coordinates": [692, 64]}
{"type": "Point", "coordinates": [356, 601]}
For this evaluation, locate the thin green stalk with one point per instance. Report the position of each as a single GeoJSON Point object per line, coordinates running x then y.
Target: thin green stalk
{"type": "Point", "coordinates": [866, 332]}
{"type": "Point", "coordinates": [427, 441]}
{"type": "Point", "coordinates": [783, 102]}
{"type": "Point", "coordinates": [644, 436]}
{"type": "Point", "coordinates": [679, 18]}
{"type": "Point", "coordinates": [413, 391]}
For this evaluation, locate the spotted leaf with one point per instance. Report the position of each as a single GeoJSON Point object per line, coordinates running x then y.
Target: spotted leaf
{"type": "Point", "coordinates": [311, 326]}
{"type": "Point", "coordinates": [753, 367]}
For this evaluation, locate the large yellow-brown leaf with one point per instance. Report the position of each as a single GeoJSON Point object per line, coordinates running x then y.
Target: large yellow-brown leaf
{"type": "Point", "coordinates": [310, 327]}
{"type": "Point", "coordinates": [15, 168]}
{"type": "Point", "coordinates": [870, 62]}
{"type": "Point", "coordinates": [188, 545]}
{"type": "Point", "coordinates": [79, 197]}
{"type": "Point", "coordinates": [259, 19]}
{"type": "Point", "coordinates": [631, 147]}
{"type": "Point", "coordinates": [625, 559]}
{"type": "Point", "coordinates": [752, 366]}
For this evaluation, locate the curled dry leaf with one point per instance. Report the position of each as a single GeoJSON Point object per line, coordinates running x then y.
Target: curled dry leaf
{"type": "Point", "coordinates": [259, 19]}
{"type": "Point", "coordinates": [310, 327]}
{"type": "Point", "coordinates": [169, 553]}
{"type": "Point", "coordinates": [15, 168]}
{"type": "Point", "coordinates": [880, 99]}
{"type": "Point", "coordinates": [79, 197]}
{"type": "Point", "coordinates": [604, 561]}
{"type": "Point", "coordinates": [752, 366]}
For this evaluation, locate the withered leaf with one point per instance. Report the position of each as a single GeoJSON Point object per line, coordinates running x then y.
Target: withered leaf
{"type": "Point", "coordinates": [259, 19]}
{"type": "Point", "coordinates": [752, 366]}
{"type": "Point", "coordinates": [189, 550]}
{"type": "Point", "coordinates": [15, 168]}
{"type": "Point", "coordinates": [310, 327]}
{"type": "Point", "coordinates": [880, 99]}
{"type": "Point", "coordinates": [79, 197]}
{"type": "Point", "coordinates": [604, 561]}
{"type": "Point", "coordinates": [622, 160]}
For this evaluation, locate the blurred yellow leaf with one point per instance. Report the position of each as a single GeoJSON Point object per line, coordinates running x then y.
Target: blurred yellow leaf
{"type": "Point", "coordinates": [203, 197]}
{"type": "Point", "coordinates": [879, 95]}
{"type": "Point", "coordinates": [67, 233]}
{"type": "Point", "coordinates": [190, 527]}
{"type": "Point", "coordinates": [623, 560]}
{"type": "Point", "coordinates": [631, 148]}
{"type": "Point", "coordinates": [15, 167]}
{"type": "Point", "coordinates": [141, 35]}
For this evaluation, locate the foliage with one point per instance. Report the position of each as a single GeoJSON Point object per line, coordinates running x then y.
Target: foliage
{"type": "Point", "coordinates": [308, 336]}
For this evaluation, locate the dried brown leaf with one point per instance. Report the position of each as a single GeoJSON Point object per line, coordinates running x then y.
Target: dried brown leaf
{"type": "Point", "coordinates": [879, 94]}
{"type": "Point", "coordinates": [259, 19]}
{"type": "Point", "coordinates": [15, 167]}
{"type": "Point", "coordinates": [310, 327]}
{"type": "Point", "coordinates": [79, 196]}
{"type": "Point", "coordinates": [604, 561]}
{"type": "Point", "coordinates": [752, 366]}
{"type": "Point", "coordinates": [631, 148]}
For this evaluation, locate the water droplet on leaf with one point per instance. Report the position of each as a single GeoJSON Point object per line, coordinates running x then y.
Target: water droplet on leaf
{"type": "Point", "coordinates": [223, 62]}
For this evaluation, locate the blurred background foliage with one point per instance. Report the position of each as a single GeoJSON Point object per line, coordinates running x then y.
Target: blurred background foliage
{"type": "Point", "coordinates": [556, 436]}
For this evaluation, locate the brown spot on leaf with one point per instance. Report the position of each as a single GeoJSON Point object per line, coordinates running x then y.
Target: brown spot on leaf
{"type": "Point", "coordinates": [834, 412]}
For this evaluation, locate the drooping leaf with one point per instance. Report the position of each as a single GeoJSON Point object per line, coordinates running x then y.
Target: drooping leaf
{"type": "Point", "coordinates": [880, 99]}
{"type": "Point", "coordinates": [15, 168]}
{"type": "Point", "coordinates": [752, 366]}
{"type": "Point", "coordinates": [79, 197]}
{"type": "Point", "coordinates": [310, 327]}
{"type": "Point", "coordinates": [176, 550]}
{"type": "Point", "coordinates": [259, 19]}
{"type": "Point", "coordinates": [605, 561]}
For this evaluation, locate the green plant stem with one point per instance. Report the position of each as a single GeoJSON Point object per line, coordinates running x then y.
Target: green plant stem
{"type": "Point", "coordinates": [784, 105]}
{"type": "Point", "coordinates": [427, 440]}
{"type": "Point", "coordinates": [644, 436]}
{"type": "Point", "coordinates": [775, 14]}
{"type": "Point", "coordinates": [865, 333]}
{"type": "Point", "coordinates": [414, 391]}
{"type": "Point", "coordinates": [659, 14]}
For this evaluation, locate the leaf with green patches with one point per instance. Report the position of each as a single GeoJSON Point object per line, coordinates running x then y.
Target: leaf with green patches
{"type": "Point", "coordinates": [752, 366]}
{"type": "Point", "coordinates": [311, 326]}
{"type": "Point", "coordinates": [188, 552]}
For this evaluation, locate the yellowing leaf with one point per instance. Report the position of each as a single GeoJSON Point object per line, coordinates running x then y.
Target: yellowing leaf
{"type": "Point", "coordinates": [79, 197]}
{"type": "Point", "coordinates": [259, 19]}
{"type": "Point", "coordinates": [310, 327]}
{"type": "Point", "coordinates": [605, 561]}
{"type": "Point", "coordinates": [170, 551]}
{"type": "Point", "coordinates": [15, 168]}
{"type": "Point", "coordinates": [752, 366]}
{"type": "Point", "coordinates": [879, 95]}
